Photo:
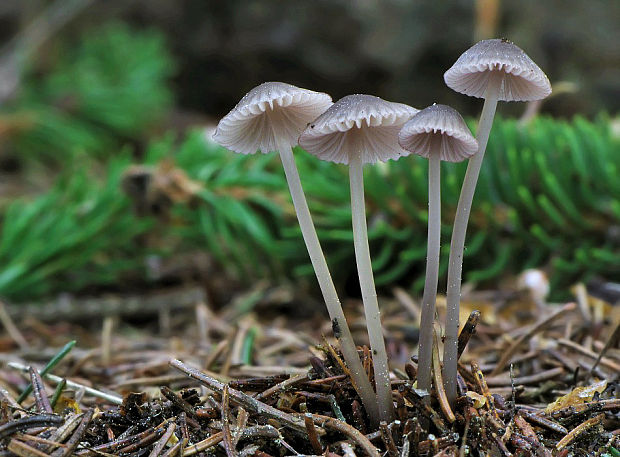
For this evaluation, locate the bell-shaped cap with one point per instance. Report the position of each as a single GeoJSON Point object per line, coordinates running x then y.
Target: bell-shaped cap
{"type": "Point", "coordinates": [438, 128]}
{"type": "Point", "coordinates": [357, 124]}
{"type": "Point", "coordinates": [269, 116]}
{"type": "Point", "coordinates": [523, 80]}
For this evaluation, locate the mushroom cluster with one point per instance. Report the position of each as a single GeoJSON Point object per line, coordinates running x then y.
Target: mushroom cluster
{"type": "Point", "coordinates": [362, 129]}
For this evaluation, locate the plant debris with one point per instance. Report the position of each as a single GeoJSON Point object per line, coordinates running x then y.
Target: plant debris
{"type": "Point", "coordinates": [237, 385]}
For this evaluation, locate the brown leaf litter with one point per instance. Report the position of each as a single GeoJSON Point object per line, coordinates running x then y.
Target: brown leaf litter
{"type": "Point", "coordinates": [247, 380]}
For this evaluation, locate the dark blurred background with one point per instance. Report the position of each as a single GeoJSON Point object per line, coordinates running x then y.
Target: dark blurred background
{"type": "Point", "coordinates": [396, 49]}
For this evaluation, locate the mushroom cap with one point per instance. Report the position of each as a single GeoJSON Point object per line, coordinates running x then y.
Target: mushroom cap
{"type": "Point", "coordinates": [270, 115]}
{"type": "Point", "coordinates": [534, 281]}
{"type": "Point", "coordinates": [523, 79]}
{"type": "Point", "coordinates": [357, 124]}
{"type": "Point", "coordinates": [438, 127]}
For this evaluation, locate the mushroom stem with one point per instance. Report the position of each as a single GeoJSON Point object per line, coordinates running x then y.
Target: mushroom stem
{"type": "Point", "coordinates": [330, 296]}
{"type": "Point", "coordinates": [457, 244]}
{"type": "Point", "coordinates": [367, 286]}
{"type": "Point", "coordinates": [432, 271]}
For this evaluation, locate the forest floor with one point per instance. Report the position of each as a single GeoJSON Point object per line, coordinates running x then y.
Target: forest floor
{"type": "Point", "coordinates": [169, 373]}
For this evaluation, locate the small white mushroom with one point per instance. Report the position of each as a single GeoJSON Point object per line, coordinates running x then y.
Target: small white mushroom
{"type": "Point", "coordinates": [270, 118]}
{"type": "Point", "coordinates": [437, 133]}
{"type": "Point", "coordinates": [494, 70]}
{"type": "Point", "coordinates": [356, 130]}
{"type": "Point", "coordinates": [536, 283]}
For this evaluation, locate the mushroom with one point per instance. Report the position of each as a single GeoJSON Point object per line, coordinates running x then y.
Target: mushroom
{"type": "Point", "coordinates": [536, 284]}
{"type": "Point", "coordinates": [437, 133]}
{"type": "Point", "coordinates": [494, 70]}
{"type": "Point", "coordinates": [270, 118]}
{"type": "Point", "coordinates": [356, 130]}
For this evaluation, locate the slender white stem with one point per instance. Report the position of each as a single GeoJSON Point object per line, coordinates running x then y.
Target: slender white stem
{"type": "Point", "coordinates": [334, 308]}
{"type": "Point", "coordinates": [425, 348]}
{"type": "Point", "coordinates": [457, 244]}
{"type": "Point", "coordinates": [369, 294]}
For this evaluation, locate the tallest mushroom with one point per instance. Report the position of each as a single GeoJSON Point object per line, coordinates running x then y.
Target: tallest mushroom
{"type": "Point", "coordinates": [270, 118]}
{"type": "Point", "coordinates": [494, 70]}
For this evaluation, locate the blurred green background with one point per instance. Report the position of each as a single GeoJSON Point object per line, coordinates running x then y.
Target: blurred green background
{"type": "Point", "coordinates": [108, 181]}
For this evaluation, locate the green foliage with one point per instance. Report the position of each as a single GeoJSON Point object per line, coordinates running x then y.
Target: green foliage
{"type": "Point", "coordinates": [81, 233]}
{"type": "Point", "coordinates": [547, 197]}
{"type": "Point", "coordinates": [80, 102]}
{"type": "Point", "coordinates": [239, 210]}
{"type": "Point", "coordinates": [109, 87]}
